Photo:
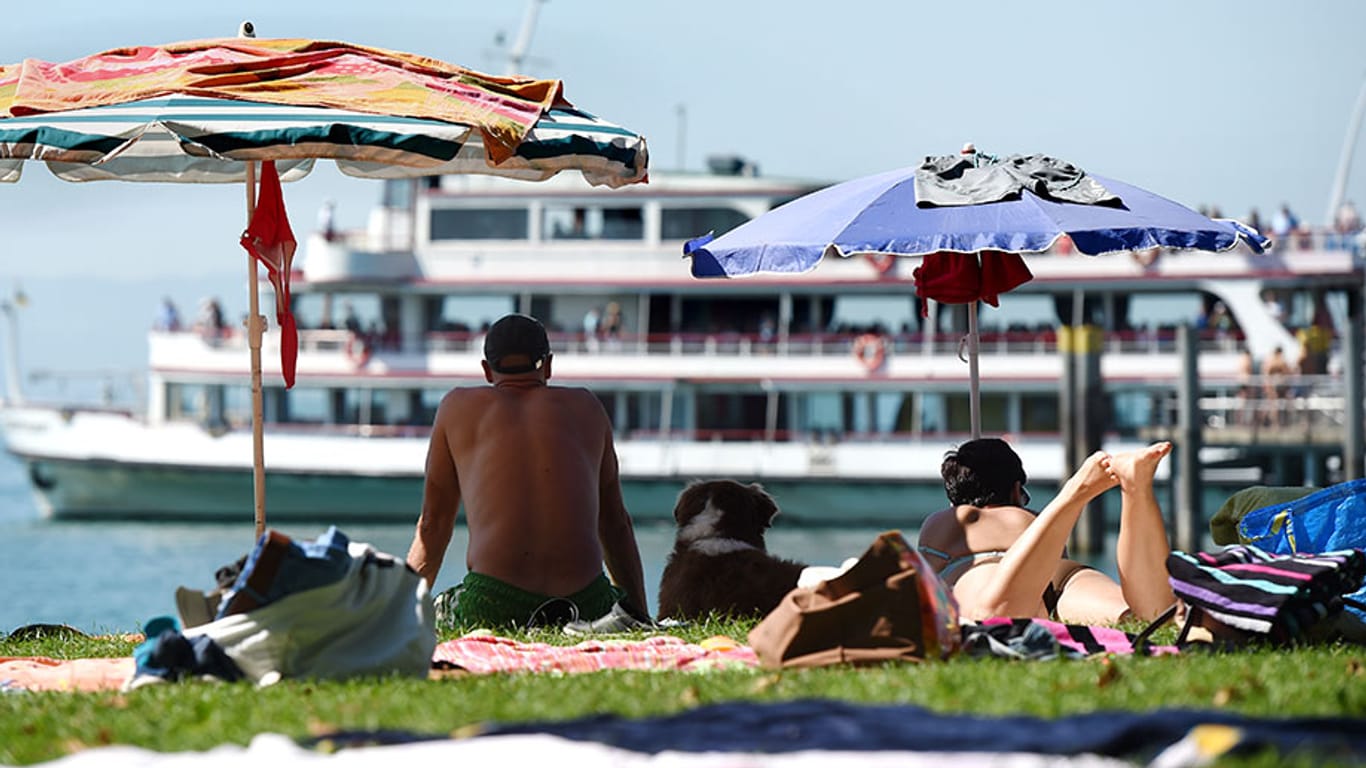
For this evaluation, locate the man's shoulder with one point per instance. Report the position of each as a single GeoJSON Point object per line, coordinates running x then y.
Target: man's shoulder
{"type": "Point", "coordinates": [464, 398]}
{"type": "Point", "coordinates": [467, 393]}
{"type": "Point", "coordinates": [571, 393]}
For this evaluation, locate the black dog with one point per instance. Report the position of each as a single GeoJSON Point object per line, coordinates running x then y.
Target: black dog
{"type": "Point", "coordinates": [719, 564]}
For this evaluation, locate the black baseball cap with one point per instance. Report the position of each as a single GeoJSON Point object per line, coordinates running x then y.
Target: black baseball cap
{"type": "Point", "coordinates": [516, 336]}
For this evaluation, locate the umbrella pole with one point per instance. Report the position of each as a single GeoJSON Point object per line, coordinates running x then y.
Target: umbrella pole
{"type": "Point", "coordinates": [974, 387]}
{"type": "Point", "coordinates": [254, 331]}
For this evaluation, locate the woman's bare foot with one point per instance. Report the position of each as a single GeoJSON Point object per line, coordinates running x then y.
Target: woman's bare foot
{"type": "Point", "coordinates": [1095, 475]}
{"type": "Point", "coordinates": [1135, 469]}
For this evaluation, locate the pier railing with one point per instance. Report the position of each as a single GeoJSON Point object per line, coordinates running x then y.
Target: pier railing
{"type": "Point", "coordinates": [1271, 411]}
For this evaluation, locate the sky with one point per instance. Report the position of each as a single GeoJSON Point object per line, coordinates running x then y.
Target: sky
{"type": "Point", "coordinates": [1238, 105]}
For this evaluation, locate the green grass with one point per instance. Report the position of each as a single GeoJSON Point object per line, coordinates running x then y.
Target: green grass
{"type": "Point", "coordinates": [34, 727]}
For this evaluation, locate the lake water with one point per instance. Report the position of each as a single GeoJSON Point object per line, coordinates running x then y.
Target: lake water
{"type": "Point", "coordinates": [113, 576]}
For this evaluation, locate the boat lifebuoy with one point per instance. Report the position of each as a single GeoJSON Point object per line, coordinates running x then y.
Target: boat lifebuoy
{"type": "Point", "coordinates": [871, 350]}
{"type": "Point", "coordinates": [882, 262]}
{"type": "Point", "coordinates": [357, 351]}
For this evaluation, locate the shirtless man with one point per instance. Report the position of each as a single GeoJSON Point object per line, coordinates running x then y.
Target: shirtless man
{"type": "Point", "coordinates": [1275, 370]}
{"type": "Point", "coordinates": [536, 469]}
{"type": "Point", "coordinates": [1000, 559]}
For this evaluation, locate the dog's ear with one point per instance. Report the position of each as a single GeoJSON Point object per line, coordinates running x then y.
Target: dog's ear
{"type": "Point", "coordinates": [690, 502]}
{"type": "Point", "coordinates": [765, 508]}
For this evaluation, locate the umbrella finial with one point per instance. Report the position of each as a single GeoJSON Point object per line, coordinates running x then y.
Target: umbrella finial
{"type": "Point", "coordinates": [246, 29]}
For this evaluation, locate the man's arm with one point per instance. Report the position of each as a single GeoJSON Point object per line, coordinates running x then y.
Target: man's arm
{"type": "Point", "coordinates": [615, 532]}
{"type": "Point", "coordinates": [440, 503]}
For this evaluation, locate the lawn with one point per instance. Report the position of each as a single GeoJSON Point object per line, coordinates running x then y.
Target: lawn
{"type": "Point", "coordinates": [1326, 680]}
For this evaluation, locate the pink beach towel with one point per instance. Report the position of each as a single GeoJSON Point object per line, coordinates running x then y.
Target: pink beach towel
{"type": "Point", "coordinates": [485, 654]}
{"type": "Point", "coordinates": [39, 673]}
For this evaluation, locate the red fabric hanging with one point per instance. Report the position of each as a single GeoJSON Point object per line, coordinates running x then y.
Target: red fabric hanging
{"type": "Point", "coordinates": [271, 241]}
{"type": "Point", "coordinates": [962, 278]}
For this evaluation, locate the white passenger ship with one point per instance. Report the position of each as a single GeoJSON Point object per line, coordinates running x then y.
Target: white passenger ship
{"type": "Point", "coordinates": [832, 388]}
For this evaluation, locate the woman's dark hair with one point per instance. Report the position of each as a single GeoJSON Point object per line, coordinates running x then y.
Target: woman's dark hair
{"type": "Point", "coordinates": [982, 473]}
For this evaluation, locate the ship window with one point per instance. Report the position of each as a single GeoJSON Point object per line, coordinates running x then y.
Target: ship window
{"type": "Point", "coordinates": [687, 223]}
{"type": "Point", "coordinates": [363, 406]}
{"type": "Point", "coordinates": [571, 222]}
{"type": "Point", "coordinates": [622, 224]}
{"type": "Point", "coordinates": [431, 400]}
{"type": "Point", "coordinates": [994, 413]}
{"type": "Point", "coordinates": [307, 405]}
{"type": "Point", "coordinates": [479, 224]}
{"type": "Point", "coordinates": [1039, 413]}
{"type": "Point", "coordinates": [1133, 410]}
{"type": "Point", "coordinates": [397, 193]}
{"type": "Point", "coordinates": [735, 416]}
{"type": "Point", "coordinates": [184, 401]}
{"type": "Point", "coordinates": [821, 412]}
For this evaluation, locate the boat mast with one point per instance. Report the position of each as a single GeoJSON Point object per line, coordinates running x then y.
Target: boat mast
{"type": "Point", "coordinates": [1345, 161]}
{"type": "Point", "coordinates": [10, 307]}
{"type": "Point", "coordinates": [517, 54]}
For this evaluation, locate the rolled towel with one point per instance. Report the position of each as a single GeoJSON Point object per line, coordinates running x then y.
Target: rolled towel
{"type": "Point", "coordinates": [815, 574]}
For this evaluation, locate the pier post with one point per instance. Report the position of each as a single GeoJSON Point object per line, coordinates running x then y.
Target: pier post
{"type": "Point", "coordinates": [1188, 514]}
{"type": "Point", "coordinates": [1083, 421]}
{"type": "Point", "coordinates": [1067, 406]}
{"type": "Point", "coordinates": [1353, 393]}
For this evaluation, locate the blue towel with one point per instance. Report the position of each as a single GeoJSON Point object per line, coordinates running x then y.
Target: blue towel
{"type": "Point", "coordinates": [279, 566]}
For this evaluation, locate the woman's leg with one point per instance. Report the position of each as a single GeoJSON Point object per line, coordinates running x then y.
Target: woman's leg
{"type": "Point", "coordinates": [1142, 550]}
{"type": "Point", "coordinates": [1017, 583]}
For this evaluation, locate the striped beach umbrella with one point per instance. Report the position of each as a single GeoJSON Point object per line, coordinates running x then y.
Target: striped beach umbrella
{"type": "Point", "coordinates": [208, 140]}
{"type": "Point", "coordinates": [213, 111]}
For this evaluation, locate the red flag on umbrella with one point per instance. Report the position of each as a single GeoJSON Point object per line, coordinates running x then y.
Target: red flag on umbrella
{"type": "Point", "coordinates": [270, 240]}
{"type": "Point", "coordinates": [960, 278]}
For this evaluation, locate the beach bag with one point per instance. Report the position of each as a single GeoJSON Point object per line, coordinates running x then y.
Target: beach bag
{"type": "Point", "coordinates": [1329, 520]}
{"type": "Point", "coordinates": [1244, 593]}
{"type": "Point", "coordinates": [890, 605]}
{"type": "Point", "coordinates": [325, 609]}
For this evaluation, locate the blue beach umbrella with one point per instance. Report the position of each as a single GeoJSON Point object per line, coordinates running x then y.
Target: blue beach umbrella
{"type": "Point", "coordinates": [213, 111]}
{"type": "Point", "coordinates": [953, 208]}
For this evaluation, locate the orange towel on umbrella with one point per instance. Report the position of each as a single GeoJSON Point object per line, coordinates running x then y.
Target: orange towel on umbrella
{"type": "Point", "coordinates": [289, 71]}
{"type": "Point", "coordinates": [962, 278]}
{"type": "Point", "coordinates": [271, 241]}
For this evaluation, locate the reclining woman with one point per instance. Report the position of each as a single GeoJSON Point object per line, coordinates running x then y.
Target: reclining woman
{"type": "Point", "coordinates": [1001, 559]}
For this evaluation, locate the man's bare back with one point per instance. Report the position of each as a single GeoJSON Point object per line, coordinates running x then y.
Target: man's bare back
{"type": "Point", "coordinates": [530, 460]}
{"type": "Point", "coordinates": [536, 469]}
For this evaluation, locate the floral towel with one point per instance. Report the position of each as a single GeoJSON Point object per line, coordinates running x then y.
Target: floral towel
{"type": "Point", "coordinates": [485, 653]}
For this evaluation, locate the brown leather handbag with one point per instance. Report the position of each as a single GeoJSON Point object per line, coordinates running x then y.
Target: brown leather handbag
{"type": "Point", "coordinates": [889, 606]}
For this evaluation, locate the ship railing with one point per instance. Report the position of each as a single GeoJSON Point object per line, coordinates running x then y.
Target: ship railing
{"type": "Point", "coordinates": [812, 436]}
{"type": "Point", "coordinates": [723, 344]}
{"type": "Point", "coordinates": [1042, 341]}
{"type": "Point", "coordinates": [1038, 341]}
{"type": "Point", "coordinates": [1267, 408]}
{"type": "Point", "coordinates": [350, 430]}
{"type": "Point", "coordinates": [1318, 239]}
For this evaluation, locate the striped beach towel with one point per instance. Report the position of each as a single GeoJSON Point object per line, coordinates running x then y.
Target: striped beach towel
{"type": "Point", "coordinates": [1279, 596]}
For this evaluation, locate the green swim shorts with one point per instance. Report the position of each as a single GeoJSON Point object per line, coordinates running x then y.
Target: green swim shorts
{"type": "Point", "coordinates": [481, 601]}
